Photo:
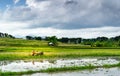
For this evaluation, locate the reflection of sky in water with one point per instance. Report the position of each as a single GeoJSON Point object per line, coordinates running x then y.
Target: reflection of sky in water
{"type": "Point", "coordinates": [16, 66]}
{"type": "Point", "coordinates": [96, 72]}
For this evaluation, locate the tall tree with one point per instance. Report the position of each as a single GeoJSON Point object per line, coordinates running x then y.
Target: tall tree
{"type": "Point", "coordinates": [53, 40]}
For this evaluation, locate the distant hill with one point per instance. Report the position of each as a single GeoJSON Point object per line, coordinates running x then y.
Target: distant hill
{"type": "Point", "coordinates": [6, 35]}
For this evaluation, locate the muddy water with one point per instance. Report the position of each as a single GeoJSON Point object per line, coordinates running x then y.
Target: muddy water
{"type": "Point", "coordinates": [18, 66]}
{"type": "Point", "coordinates": [95, 72]}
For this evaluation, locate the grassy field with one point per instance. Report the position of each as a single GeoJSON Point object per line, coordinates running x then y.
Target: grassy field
{"type": "Point", "coordinates": [20, 49]}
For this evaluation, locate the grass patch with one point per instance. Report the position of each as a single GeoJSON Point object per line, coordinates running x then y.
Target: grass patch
{"type": "Point", "coordinates": [17, 73]}
{"type": "Point", "coordinates": [55, 53]}
{"type": "Point", "coordinates": [89, 67]}
{"type": "Point", "coordinates": [68, 68]}
{"type": "Point", "coordinates": [17, 49]}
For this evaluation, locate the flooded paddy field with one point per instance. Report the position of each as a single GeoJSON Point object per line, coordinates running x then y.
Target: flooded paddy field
{"type": "Point", "coordinates": [95, 72]}
{"type": "Point", "coordinates": [21, 65]}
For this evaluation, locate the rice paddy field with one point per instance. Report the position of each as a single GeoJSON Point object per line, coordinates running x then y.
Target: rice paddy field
{"type": "Point", "coordinates": [21, 49]}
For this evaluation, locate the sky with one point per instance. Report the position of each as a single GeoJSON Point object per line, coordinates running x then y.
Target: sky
{"type": "Point", "coordinates": [62, 18]}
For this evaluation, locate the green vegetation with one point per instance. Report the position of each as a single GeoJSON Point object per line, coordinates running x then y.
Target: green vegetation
{"type": "Point", "coordinates": [79, 68]}
{"type": "Point", "coordinates": [21, 49]}
{"type": "Point", "coordinates": [6, 35]}
{"type": "Point", "coordinates": [17, 49]}
{"type": "Point", "coordinates": [53, 41]}
{"type": "Point", "coordinates": [17, 73]}
{"type": "Point", "coordinates": [94, 42]}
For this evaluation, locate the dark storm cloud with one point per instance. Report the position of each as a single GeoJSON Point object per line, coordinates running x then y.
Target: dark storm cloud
{"type": "Point", "coordinates": [68, 14]}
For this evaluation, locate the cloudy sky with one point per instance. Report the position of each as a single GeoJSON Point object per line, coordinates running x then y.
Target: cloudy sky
{"type": "Point", "coordinates": [63, 18]}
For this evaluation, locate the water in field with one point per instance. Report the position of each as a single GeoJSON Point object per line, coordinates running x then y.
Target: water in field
{"type": "Point", "coordinates": [20, 65]}
{"type": "Point", "coordinates": [95, 72]}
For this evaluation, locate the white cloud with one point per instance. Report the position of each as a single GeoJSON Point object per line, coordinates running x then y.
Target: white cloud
{"type": "Point", "coordinates": [6, 26]}
{"type": "Point", "coordinates": [84, 33]}
{"type": "Point", "coordinates": [80, 13]}
{"type": "Point", "coordinates": [16, 1]}
{"type": "Point", "coordinates": [86, 18]}
{"type": "Point", "coordinates": [38, 5]}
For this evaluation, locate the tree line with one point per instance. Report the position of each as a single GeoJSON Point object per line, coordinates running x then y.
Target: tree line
{"type": "Point", "coordinates": [6, 35]}
{"type": "Point", "coordinates": [93, 42]}
{"type": "Point", "coordinates": [103, 42]}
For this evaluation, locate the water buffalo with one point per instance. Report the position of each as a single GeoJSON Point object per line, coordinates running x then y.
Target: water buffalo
{"type": "Point", "coordinates": [37, 53]}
